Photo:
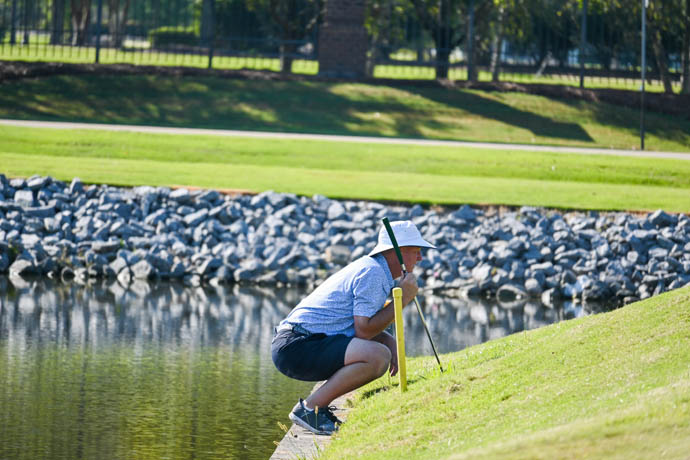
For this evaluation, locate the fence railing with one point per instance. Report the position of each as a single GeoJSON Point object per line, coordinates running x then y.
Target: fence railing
{"type": "Point", "coordinates": [229, 35]}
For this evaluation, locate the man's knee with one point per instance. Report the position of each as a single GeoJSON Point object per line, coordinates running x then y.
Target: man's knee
{"type": "Point", "coordinates": [382, 359]}
{"type": "Point", "coordinates": [377, 355]}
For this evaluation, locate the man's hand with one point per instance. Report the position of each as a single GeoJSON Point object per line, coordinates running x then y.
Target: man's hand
{"type": "Point", "coordinates": [389, 341]}
{"type": "Point", "coordinates": [394, 361]}
{"type": "Point", "coordinates": [409, 288]}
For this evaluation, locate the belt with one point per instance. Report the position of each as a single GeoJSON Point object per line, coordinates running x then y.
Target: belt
{"type": "Point", "coordinates": [292, 328]}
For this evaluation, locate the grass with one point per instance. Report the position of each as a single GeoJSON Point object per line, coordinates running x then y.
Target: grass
{"type": "Point", "coordinates": [425, 174]}
{"type": "Point", "coordinates": [609, 386]}
{"type": "Point", "coordinates": [140, 53]}
{"type": "Point", "coordinates": [338, 108]}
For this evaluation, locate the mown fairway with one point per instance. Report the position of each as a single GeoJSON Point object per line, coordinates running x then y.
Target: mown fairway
{"type": "Point", "coordinates": [439, 175]}
{"type": "Point", "coordinates": [338, 108]}
{"type": "Point", "coordinates": [608, 386]}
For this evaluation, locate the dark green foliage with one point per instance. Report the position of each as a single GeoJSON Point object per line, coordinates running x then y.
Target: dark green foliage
{"type": "Point", "coordinates": [166, 36]}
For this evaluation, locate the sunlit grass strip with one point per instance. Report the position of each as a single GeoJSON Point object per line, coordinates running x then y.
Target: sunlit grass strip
{"type": "Point", "coordinates": [366, 185]}
{"type": "Point", "coordinates": [346, 156]}
{"type": "Point", "coordinates": [147, 56]}
{"type": "Point", "coordinates": [608, 386]}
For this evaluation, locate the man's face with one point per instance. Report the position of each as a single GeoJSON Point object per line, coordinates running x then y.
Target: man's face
{"type": "Point", "coordinates": [411, 255]}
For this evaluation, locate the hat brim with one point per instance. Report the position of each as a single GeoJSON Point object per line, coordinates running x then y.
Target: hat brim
{"type": "Point", "coordinates": [379, 248]}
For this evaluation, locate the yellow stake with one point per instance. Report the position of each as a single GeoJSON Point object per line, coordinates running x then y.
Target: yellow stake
{"type": "Point", "coordinates": [400, 338]}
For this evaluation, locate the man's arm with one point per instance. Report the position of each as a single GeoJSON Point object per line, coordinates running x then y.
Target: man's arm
{"type": "Point", "coordinates": [368, 328]}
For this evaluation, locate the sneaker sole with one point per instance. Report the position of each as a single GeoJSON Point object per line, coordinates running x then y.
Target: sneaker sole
{"type": "Point", "coordinates": [298, 421]}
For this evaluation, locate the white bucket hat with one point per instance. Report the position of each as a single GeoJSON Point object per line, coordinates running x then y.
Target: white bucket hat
{"type": "Point", "coordinates": [406, 234]}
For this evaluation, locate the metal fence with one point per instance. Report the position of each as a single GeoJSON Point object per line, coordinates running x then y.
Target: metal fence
{"type": "Point", "coordinates": [479, 39]}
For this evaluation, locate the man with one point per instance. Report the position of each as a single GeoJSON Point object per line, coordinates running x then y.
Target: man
{"type": "Point", "coordinates": [337, 333]}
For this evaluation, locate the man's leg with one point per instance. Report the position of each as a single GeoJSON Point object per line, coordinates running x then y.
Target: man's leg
{"type": "Point", "coordinates": [365, 360]}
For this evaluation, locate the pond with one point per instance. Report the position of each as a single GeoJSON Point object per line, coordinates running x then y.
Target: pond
{"type": "Point", "coordinates": [168, 371]}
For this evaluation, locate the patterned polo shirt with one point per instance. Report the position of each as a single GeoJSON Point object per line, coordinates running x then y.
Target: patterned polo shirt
{"type": "Point", "coordinates": [359, 289]}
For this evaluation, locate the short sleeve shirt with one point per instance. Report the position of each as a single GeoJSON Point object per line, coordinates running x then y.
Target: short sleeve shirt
{"type": "Point", "coordinates": [359, 289]}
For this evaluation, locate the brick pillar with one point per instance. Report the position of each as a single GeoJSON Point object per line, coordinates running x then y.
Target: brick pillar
{"type": "Point", "coordinates": [343, 40]}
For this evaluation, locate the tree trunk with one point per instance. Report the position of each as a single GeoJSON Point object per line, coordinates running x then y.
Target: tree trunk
{"type": "Point", "coordinates": [81, 13]}
{"type": "Point", "coordinates": [661, 60]}
{"type": "Point", "coordinates": [442, 63]}
{"type": "Point", "coordinates": [442, 40]}
{"type": "Point", "coordinates": [117, 21]}
{"type": "Point", "coordinates": [57, 21]}
{"type": "Point", "coordinates": [685, 88]}
{"type": "Point", "coordinates": [206, 22]}
{"type": "Point", "coordinates": [496, 45]}
{"type": "Point", "coordinates": [287, 53]}
{"type": "Point", "coordinates": [471, 52]}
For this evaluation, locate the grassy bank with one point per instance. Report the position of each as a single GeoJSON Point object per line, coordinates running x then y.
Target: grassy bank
{"type": "Point", "coordinates": [338, 108]}
{"type": "Point", "coordinates": [609, 386]}
{"type": "Point", "coordinates": [440, 175]}
{"type": "Point", "coordinates": [43, 52]}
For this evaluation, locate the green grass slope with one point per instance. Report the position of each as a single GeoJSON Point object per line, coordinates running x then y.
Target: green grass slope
{"type": "Point", "coordinates": [338, 108]}
{"type": "Point", "coordinates": [609, 386]}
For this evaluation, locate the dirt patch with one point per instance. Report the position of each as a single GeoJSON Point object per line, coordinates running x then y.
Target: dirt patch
{"type": "Point", "coordinates": [671, 104]}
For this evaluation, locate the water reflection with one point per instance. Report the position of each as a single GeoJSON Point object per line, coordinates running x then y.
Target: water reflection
{"type": "Point", "coordinates": [163, 370]}
{"type": "Point", "coordinates": [460, 323]}
{"type": "Point", "coordinates": [154, 372]}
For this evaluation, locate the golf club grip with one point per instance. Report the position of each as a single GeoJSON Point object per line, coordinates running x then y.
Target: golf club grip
{"type": "Point", "coordinates": [394, 242]}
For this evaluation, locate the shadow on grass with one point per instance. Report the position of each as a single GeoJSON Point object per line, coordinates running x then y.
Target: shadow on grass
{"type": "Point", "coordinates": [198, 103]}
{"type": "Point", "coordinates": [292, 107]}
{"type": "Point", "coordinates": [489, 108]}
{"type": "Point", "coordinates": [394, 386]}
{"type": "Point", "coordinates": [668, 127]}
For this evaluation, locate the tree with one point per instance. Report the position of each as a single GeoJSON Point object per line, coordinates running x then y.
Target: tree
{"type": "Point", "coordinates": [291, 20]}
{"type": "Point", "coordinates": [445, 21]}
{"type": "Point", "coordinates": [497, 37]}
{"type": "Point", "coordinates": [117, 20]}
{"type": "Point", "coordinates": [57, 22]}
{"type": "Point", "coordinates": [665, 19]}
{"type": "Point", "coordinates": [685, 50]}
{"type": "Point", "coordinates": [81, 16]}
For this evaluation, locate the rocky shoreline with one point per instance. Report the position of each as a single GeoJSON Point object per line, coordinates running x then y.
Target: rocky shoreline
{"type": "Point", "coordinates": [74, 231]}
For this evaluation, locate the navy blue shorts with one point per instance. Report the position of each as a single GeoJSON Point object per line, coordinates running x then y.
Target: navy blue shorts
{"type": "Point", "coordinates": [312, 357]}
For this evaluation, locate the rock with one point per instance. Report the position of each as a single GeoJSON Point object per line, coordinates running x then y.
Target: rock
{"type": "Point", "coordinates": [533, 287]}
{"type": "Point", "coordinates": [209, 265]}
{"type": "Point", "coordinates": [35, 183]}
{"type": "Point", "coordinates": [510, 292]}
{"type": "Point", "coordinates": [336, 211]}
{"type": "Point", "coordinates": [196, 218]}
{"type": "Point", "coordinates": [24, 198]}
{"type": "Point", "coordinates": [338, 254]}
{"type": "Point", "coordinates": [661, 219]}
{"type": "Point", "coordinates": [76, 187]}
{"type": "Point", "coordinates": [181, 195]}
{"type": "Point", "coordinates": [465, 213]}
{"type": "Point", "coordinates": [23, 267]}
{"type": "Point", "coordinates": [102, 247]}
{"type": "Point", "coordinates": [143, 270]}
{"type": "Point", "coordinates": [118, 265]}
{"type": "Point", "coordinates": [41, 212]}
{"type": "Point", "coordinates": [4, 262]}
{"type": "Point", "coordinates": [482, 273]}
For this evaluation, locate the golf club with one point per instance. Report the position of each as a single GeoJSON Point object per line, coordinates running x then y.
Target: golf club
{"type": "Point", "coordinates": [387, 224]}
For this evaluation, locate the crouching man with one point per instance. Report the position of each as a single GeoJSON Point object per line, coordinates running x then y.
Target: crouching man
{"type": "Point", "coordinates": [337, 333]}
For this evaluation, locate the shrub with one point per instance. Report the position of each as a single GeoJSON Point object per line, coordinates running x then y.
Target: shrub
{"type": "Point", "coordinates": [165, 36]}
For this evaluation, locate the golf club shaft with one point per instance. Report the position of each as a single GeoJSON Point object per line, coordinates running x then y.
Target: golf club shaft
{"type": "Point", "coordinates": [389, 229]}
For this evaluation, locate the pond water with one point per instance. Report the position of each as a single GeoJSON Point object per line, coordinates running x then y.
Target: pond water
{"type": "Point", "coordinates": [167, 371]}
